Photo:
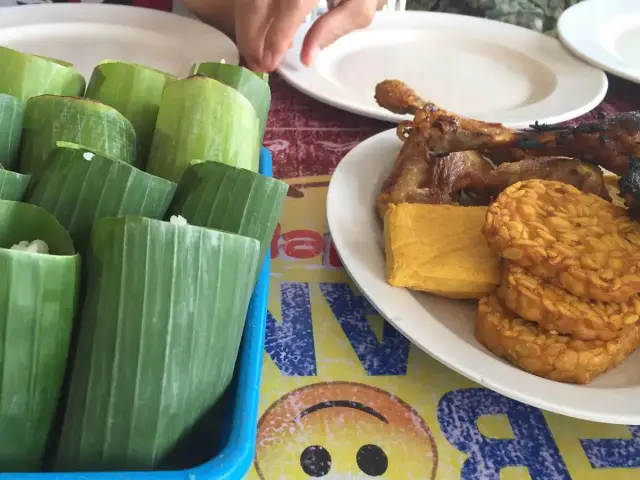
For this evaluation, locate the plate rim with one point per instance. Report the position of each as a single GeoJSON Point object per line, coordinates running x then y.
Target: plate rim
{"type": "Point", "coordinates": [535, 388]}
{"type": "Point", "coordinates": [567, 23]}
{"type": "Point", "coordinates": [17, 16]}
{"type": "Point", "coordinates": [290, 67]}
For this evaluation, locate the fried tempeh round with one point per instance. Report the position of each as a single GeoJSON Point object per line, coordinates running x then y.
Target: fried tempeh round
{"type": "Point", "coordinates": [550, 355]}
{"type": "Point", "coordinates": [577, 241]}
{"type": "Point", "coordinates": [555, 309]}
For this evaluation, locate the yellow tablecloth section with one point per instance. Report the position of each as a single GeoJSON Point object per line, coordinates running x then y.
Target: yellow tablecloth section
{"type": "Point", "coordinates": [345, 396]}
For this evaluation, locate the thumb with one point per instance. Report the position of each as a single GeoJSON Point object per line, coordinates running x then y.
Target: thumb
{"type": "Point", "coordinates": [349, 15]}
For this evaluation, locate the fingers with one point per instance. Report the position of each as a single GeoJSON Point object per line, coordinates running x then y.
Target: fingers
{"type": "Point", "coordinates": [251, 30]}
{"type": "Point", "coordinates": [288, 16]}
{"type": "Point", "coordinates": [348, 15]}
{"type": "Point", "coordinates": [265, 29]}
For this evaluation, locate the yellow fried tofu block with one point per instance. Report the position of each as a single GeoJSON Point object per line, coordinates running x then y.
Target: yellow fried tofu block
{"type": "Point", "coordinates": [439, 249]}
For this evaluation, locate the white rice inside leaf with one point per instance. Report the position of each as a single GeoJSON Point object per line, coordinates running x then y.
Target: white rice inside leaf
{"type": "Point", "coordinates": [178, 220]}
{"type": "Point", "coordinates": [37, 246]}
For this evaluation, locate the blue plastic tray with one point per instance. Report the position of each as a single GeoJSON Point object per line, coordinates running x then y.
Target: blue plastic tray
{"type": "Point", "coordinates": [238, 441]}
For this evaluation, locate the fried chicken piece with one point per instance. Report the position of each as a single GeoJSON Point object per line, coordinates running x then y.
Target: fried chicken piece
{"type": "Point", "coordinates": [555, 309]}
{"type": "Point", "coordinates": [576, 241]}
{"type": "Point", "coordinates": [629, 185]}
{"type": "Point", "coordinates": [397, 97]}
{"type": "Point", "coordinates": [584, 176]}
{"type": "Point", "coordinates": [546, 354]}
{"type": "Point", "coordinates": [612, 142]}
{"type": "Point", "coordinates": [420, 177]}
{"type": "Point", "coordinates": [607, 142]}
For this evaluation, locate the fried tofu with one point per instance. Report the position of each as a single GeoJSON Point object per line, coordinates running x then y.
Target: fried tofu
{"type": "Point", "coordinates": [439, 249]}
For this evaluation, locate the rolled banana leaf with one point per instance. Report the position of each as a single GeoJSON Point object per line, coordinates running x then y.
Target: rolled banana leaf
{"type": "Point", "coordinates": [55, 60]}
{"type": "Point", "coordinates": [248, 83]}
{"type": "Point", "coordinates": [37, 302]}
{"type": "Point", "coordinates": [78, 187]}
{"type": "Point", "coordinates": [11, 118]}
{"type": "Point", "coordinates": [236, 200]}
{"type": "Point", "coordinates": [13, 185]}
{"type": "Point", "coordinates": [133, 90]}
{"type": "Point", "coordinates": [203, 119]}
{"type": "Point", "coordinates": [100, 128]}
{"type": "Point", "coordinates": [159, 336]}
{"type": "Point", "coordinates": [25, 76]}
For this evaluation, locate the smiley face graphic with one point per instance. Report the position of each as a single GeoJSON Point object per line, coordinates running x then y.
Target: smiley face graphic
{"type": "Point", "coordinates": [344, 431]}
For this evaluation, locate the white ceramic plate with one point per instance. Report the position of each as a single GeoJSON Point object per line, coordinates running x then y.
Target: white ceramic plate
{"type": "Point", "coordinates": [85, 34]}
{"type": "Point", "coordinates": [605, 33]}
{"type": "Point", "coordinates": [444, 328]}
{"type": "Point", "coordinates": [479, 68]}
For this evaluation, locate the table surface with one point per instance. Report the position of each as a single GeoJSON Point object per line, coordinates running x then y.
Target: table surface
{"type": "Point", "coordinates": [340, 383]}
{"type": "Point", "coordinates": [326, 345]}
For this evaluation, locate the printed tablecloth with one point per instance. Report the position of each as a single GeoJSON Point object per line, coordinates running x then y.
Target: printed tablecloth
{"type": "Point", "coordinates": [344, 395]}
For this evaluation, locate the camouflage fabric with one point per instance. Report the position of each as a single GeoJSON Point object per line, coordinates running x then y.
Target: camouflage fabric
{"type": "Point", "coordinates": [538, 15]}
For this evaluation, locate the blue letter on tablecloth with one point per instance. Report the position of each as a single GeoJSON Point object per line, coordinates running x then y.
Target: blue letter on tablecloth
{"type": "Point", "coordinates": [388, 357]}
{"type": "Point", "coordinates": [532, 447]}
{"type": "Point", "coordinates": [614, 452]}
{"type": "Point", "coordinates": [290, 343]}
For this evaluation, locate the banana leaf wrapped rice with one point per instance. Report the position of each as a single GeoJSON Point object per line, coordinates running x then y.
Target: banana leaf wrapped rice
{"type": "Point", "coordinates": [203, 119]}
{"type": "Point", "coordinates": [79, 187]}
{"type": "Point", "coordinates": [159, 335]}
{"type": "Point", "coordinates": [40, 272]}
{"type": "Point", "coordinates": [135, 91]}
{"type": "Point", "coordinates": [214, 195]}
{"type": "Point", "coordinates": [161, 305]}
{"type": "Point", "coordinates": [49, 119]}
{"type": "Point", "coordinates": [33, 75]}
{"type": "Point", "coordinates": [12, 184]}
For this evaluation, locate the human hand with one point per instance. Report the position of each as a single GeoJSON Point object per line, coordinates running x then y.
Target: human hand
{"type": "Point", "coordinates": [265, 28]}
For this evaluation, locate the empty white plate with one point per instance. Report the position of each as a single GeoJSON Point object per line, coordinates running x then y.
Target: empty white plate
{"type": "Point", "coordinates": [85, 34]}
{"type": "Point", "coordinates": [483, 69]}
{"type": "Point", "coordinates": [444, 328]}
{"type": "Point", "coordinates": [605, 33]}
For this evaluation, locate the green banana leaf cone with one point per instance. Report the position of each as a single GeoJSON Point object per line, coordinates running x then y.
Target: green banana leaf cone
{"type": "Point", "coordinates": [254, 87]}
{"type": "Point", "coordinates": [201, 118]}
{"type": "Point", "coordinates": [79, 187]}
{"type": "Point", "coordinates": [236, 200]}
{"type": "Point", "coordinates": [38, 297]}
{"type": "Point", "coordinates": [49, 119]}
{"type": "Point", "coordinates": [13, 185]}
{"type": "Point", "coordinates": [133, 90]}
{"type": "Point", "coordinates": [26, 76]}
{"type": "Point", "coordinates": [159, 335]}
{"type": "Point", "coordinates": [11, 118]}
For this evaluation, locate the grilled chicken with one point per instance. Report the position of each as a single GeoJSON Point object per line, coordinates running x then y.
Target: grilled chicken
{"type": "Point", "coordinates": [612, 142]}
{"type": "Point", "coordinates": [419, 176]}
